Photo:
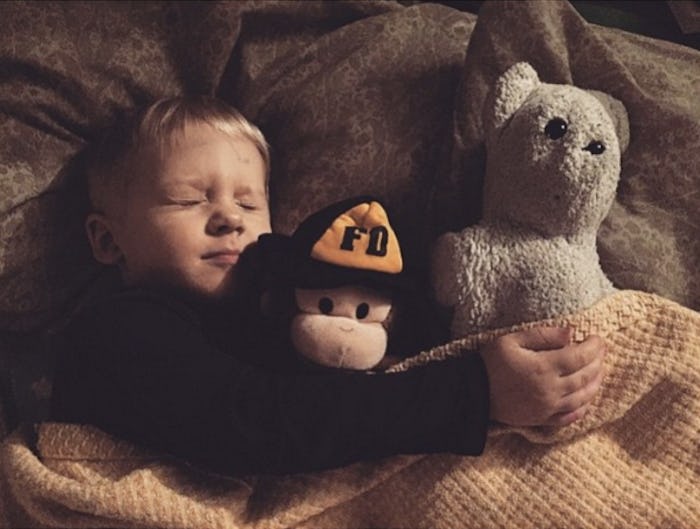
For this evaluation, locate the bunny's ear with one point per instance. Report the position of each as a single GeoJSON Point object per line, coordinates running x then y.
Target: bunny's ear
{"type": "Point", "coordinates": [618, 113]}
{"type": "Point", "coordinates": [510, 92]}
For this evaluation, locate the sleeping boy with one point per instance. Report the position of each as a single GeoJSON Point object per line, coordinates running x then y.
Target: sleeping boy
{"type": "Point", "coordinates": [169, 361]}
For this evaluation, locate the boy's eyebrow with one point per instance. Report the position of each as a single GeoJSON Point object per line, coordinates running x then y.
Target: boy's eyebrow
{"type": "Point", "coordinates": [247, 189]}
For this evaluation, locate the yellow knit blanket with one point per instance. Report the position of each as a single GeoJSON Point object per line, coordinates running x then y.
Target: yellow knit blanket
{"type": "Point", "coordinates": [633, 461]}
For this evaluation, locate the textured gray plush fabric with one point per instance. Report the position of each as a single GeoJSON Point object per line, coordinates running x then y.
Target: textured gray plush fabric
{"type": "Point", "coordinates": [553, 164]}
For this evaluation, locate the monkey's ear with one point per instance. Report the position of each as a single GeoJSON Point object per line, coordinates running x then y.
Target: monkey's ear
{"type": "Point", "coordinates": [394, 347]}
{"type": "Point", "coordinates": [388, 323]}
{"type": "Point", "coordinates": [396, 333]}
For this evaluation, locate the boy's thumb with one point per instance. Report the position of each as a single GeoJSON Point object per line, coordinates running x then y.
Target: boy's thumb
{"type": "Point", "coordinates": [545, 338]}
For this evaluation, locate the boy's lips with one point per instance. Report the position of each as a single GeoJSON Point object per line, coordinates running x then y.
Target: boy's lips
{"type": "Point", "coordinates": [222, 257]}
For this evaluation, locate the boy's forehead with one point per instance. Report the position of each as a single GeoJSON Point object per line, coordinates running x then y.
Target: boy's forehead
{"type": "Point", "coordinates": [188, 148]}
{"type": "Point", "coordinates": [201, 135]}
{"type": "Point", "coordinates": [196, 133]}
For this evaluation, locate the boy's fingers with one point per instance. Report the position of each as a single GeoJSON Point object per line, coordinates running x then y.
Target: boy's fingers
{"type": "Point", "coordinates": [582, 397]}
{"type": "Point", "coordinates": [544, 338]}
{"type": "Point", "coordinates": [564, 418]}
{"type": "Point", "coordinates": [581, 378]}
{"type": "Point", "coordinates": [574, 358]}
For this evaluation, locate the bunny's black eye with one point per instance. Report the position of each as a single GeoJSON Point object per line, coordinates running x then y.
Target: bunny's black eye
{"type": "Point", "coordinates": [556, 128]}
{"type": "Point", "coordinates": [362, 311]}
{"type": "Point", "coordinates": [325, 305]}
{"type": "Point", "coordinates": [595, 147]}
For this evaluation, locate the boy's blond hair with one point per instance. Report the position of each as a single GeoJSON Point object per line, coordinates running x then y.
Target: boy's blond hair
{"type": "Point", "coordinates": [110, 166]}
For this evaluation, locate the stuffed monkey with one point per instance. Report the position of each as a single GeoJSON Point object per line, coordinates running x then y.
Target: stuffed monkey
{"type": "Point", "coordinates": [342, 266]}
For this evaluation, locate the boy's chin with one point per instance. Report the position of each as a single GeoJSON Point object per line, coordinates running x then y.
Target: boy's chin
{"type": "Point", "coordinates": [223, 288]}
{"type": "Point", "coordinates": [215, 291]}
{"type": "Point", "coordinates": [197, 289]}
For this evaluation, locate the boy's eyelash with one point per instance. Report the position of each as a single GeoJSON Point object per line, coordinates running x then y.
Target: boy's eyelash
{"type": "Point", "coordinates": [244, 204]}
{"type": "Point", "coordinates": [247, 205]}
{"type": "Point", "coordinates": [190, 202]}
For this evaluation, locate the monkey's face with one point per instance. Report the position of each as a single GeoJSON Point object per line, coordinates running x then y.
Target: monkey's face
{"type": "Point", "coordinates": [341, 327]}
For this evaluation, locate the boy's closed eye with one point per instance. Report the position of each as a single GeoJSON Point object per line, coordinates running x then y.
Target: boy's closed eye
{"type": "Point", "coordinates": [182, 195]}
{"type": "Point", "coordinates": [185, 201]}
{"type": "Point", "coordinates": [249, 200]}
{"type": "Point", "coordinates": [190, 201]}
{"type": "Point", "coordinates": [247, 204]}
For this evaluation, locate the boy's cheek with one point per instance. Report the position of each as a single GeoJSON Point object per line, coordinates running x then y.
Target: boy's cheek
{"type": "Point", "coordinates": [261, 226]}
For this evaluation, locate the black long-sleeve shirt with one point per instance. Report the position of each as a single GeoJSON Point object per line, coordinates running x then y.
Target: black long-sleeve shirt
{"type": "Point", "coordinates": [181, 378]}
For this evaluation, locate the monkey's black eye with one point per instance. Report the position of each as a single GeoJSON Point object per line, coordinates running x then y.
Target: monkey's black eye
{"type": "Point", "coordinates": [325, 305]}
{"type": "Point", "coordinates": [362, 311]}
{"type": "Point", "coordinates": [556, 128]}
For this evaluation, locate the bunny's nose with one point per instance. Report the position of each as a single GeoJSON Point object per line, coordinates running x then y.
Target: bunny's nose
{"type": "Point", "coordinates": [595, 147]}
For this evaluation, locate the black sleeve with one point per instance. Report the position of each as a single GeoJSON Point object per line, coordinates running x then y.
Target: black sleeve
{"type": "Point", "coordinates": [144, 370]}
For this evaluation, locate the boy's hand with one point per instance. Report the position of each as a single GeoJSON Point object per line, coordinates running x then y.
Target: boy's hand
{"type": "Point", "coordinates": [538, 377]}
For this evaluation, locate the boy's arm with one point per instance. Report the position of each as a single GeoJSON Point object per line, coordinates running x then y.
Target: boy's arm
{"type": "Point", "coordinates": [143, 370]}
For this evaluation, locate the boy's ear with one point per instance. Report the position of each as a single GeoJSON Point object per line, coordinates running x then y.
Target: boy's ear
{"type": "Point", "coordinates": [99, 232]}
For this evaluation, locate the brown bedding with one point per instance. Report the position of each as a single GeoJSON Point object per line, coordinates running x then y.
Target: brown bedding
{"type": "Point", "coordinates": [355, 97]}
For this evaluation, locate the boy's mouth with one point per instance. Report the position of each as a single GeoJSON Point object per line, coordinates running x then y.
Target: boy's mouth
{"type": "Point", "coordinates": [222, 257]}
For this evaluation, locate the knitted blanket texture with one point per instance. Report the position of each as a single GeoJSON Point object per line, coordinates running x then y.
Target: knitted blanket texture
{"type": "Point", "coordinates": [632, 461]}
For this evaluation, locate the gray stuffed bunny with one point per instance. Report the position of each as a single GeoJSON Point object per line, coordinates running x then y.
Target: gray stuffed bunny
{"type": "Point", "coordinates": [553, 164]}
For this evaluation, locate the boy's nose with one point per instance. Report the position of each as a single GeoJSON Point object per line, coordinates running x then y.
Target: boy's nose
{"type": "Point", "coordinates": [223, 222]}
